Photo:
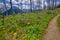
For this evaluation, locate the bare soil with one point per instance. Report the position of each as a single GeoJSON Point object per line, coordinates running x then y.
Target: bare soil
{"type": "Point", "coordinates": [53, 32]}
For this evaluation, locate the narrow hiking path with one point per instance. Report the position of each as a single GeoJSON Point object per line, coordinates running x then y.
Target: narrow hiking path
{"type": "Point", "coordinates": [53, 32]}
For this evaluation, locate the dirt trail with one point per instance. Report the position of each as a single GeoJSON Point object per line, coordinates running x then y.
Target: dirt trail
{"type": "Point", "coordinates": [53, 32]}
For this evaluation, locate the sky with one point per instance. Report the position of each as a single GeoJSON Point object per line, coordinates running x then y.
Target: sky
{"type": "Point", "coordinates": [15, 3]}
{"type": "Point", "coordinates": [59, 0]}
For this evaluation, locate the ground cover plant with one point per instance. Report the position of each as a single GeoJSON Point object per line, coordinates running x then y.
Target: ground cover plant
{"type": "Point", "coordinates": [26, 26]}
{"type": "Point", "coordinates": [58, 21]}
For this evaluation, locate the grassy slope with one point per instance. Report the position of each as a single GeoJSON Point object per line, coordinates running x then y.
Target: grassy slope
{"type": "Point", "coordinates": [26, 26]}
{"type": "Point", "coordinates": [58, 21]}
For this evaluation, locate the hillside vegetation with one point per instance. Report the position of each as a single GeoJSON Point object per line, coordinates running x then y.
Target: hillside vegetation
{"type": "Point", "coordinates": [58, 21]}
{"type": "Point", "coordinates": [26, 26]}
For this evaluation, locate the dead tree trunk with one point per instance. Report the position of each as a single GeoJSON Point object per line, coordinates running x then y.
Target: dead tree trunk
{"type": "Point", "coordinates": [31, 5]}
{"type": "Point", "coordinates": [11, 6]}
{"type": "Point", "coordinates": [5, 6]}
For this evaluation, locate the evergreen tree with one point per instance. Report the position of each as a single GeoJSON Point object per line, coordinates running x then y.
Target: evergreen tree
{"type": "Point", "coordinates": [58, 6]}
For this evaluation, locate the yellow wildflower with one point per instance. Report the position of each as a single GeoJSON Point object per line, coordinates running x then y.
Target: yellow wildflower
{"type": "Point", "coordinates": [15, 33]}
{"type": "Point", "coordinates": [28, 30]}
{"type": "Point", "coordinates": [17, 28]}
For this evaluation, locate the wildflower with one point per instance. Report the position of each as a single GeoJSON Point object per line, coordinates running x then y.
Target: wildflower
{"type": "Point", "coordinates": [25, 30]}
{"type": "Point", "coordinates": [23, 35]}
{"type": "Point", "coordinates": [8, 25]}
{"type": "Point", "coordinates": [17, 28]}
{"type": "Point", "coordinates": [15, 33]}
{"type": "Point", "coordinates": [28, 23]}
{"type": "Point", "coordinates": [28, 30]}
